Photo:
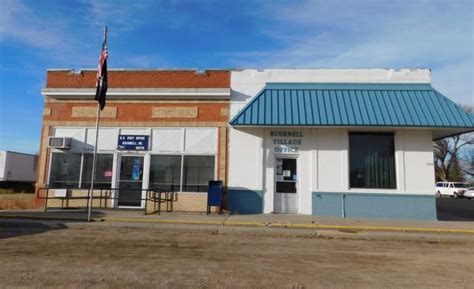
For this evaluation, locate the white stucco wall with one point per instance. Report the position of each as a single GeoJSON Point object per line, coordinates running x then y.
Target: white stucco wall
{"type": "Point", "coordinates": [246, 83]}
{"type": "Point", "coordinates": [417, 149]}
{"type": "Point", "coordinates": [323, 163]}
{"type": "Point", "coordinates": [323, 159]}
{"type": "Point", "coordinates": [331, 148]}
{"type": "Point", "coordinates": [246, 158]}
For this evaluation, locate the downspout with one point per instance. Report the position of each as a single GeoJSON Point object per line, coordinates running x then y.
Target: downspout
{"type": "Point", "coordinates": [343, 208]}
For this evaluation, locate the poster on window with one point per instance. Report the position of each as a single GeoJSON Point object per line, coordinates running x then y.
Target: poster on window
{"type": "Point", "coordinates": [279, 170]}
{"type": "Point", "coordinates": [136, 170]}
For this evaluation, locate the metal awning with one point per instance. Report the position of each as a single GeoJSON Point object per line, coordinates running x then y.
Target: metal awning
{"type": "Point", "coordinates": [354, 105]}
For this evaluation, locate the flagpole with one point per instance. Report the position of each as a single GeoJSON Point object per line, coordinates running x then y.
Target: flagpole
{"type": "Point", "coordinates": [94, 161]}
{"type": "Point", "coordinates": [101, 85]}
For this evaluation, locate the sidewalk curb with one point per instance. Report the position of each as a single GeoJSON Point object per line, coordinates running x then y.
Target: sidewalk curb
{"type": "Point", "coordinates": [45, 218]}
{"type": "Point", "coordinates": [253, 224]}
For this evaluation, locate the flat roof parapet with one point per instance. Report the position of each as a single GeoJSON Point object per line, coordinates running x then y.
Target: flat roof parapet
{"type": "Point", "coordinates": [333, 75]}
{"type": "Point", "coordinates": [142, 78]}
{"type": "Point", "coordinates": [220, 78]}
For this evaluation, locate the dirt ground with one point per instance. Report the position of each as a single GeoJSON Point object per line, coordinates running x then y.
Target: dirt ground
{"type": "Point", "coordinates": [33, 255]}
{"type": "Point", "coordinates": [16, 201]}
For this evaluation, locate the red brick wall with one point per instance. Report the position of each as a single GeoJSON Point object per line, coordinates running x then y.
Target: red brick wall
{"type": "Point", "coordinates": [137, 113]}
{"type": "Point", "coordinates": [134, 112]}
{"type": "Point", "coordinates": [141, 79]}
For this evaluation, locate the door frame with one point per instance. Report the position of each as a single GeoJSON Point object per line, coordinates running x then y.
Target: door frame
{"type": "Point", "coordinates": [287, 156]}
{"type": "Point", "coordinates": [115, 193]}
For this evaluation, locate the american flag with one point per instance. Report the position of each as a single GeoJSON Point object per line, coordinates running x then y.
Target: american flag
{"type": "Point", "coordinates": [101, 82]}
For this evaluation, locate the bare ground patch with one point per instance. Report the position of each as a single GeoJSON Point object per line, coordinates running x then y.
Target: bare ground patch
{"type": "Point", "coordinates": [16, 201]}
{"type": "Point", "coordinates": [150, 257]}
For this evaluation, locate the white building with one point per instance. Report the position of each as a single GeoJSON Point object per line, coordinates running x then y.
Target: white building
{"type": "Point", "coordinates": [17, 167]}
{"type": "Point", "coordinates": [337, 142]}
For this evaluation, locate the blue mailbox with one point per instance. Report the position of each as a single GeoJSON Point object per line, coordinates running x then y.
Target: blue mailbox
{"type": "Point", "coordinates": [215, 194]}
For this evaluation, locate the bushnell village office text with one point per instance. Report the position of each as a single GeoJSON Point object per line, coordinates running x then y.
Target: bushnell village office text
{"type": "Point", "coordinates": [325, 142]}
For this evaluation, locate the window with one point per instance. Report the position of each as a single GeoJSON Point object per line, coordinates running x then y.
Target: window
{"type": "Point", "coordinates": [165, 172]}
{"type": "Point", "coordinates": [461, 185]}
{"type": "Point", "coordinates": [197, 172]}
{"type": "Point", "coordinates": [372, 160]}
{"type": "Point", "coordinates": [103, 171]}
{"type": "Point", "coordinates": [65, 170]}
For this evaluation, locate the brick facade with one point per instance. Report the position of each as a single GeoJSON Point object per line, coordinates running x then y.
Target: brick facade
{"type": "Point", "coordinates": [131, 112]}
{"type": "Point", "coordinates": [90, 111]}
{"type": "Point", "coordinates": [138, 111]}
{"type": "Point", "coordinates": [141, 79]}
{"type": "Point", "coordinates": [183, 202]}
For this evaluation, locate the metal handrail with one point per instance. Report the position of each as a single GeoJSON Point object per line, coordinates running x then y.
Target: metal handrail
{"type": "Point", "coordinates": [157, 196]}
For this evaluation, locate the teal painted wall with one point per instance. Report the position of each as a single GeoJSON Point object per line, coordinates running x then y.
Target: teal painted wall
{"type": "Point", "coordinates": [375, 206]}
{"type": "Point", "coordinates": [327, 205]}
{"type": "Point", "coordinates": [241, 201]}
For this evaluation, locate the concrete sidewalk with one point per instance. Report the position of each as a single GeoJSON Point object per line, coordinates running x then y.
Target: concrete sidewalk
{"type": "Point", "coordinates": [260, 220]}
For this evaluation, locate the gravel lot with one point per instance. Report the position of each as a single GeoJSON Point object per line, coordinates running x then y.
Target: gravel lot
{"type": "Point", "coordinates": [34, 255]}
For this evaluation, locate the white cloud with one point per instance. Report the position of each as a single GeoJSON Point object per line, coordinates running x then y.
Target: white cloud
{"type": "Point", "coordinates": [350, 33]}
{"type": "Point", "coordinates": [19, 22]}
{"type": "Point", "coordinates": [141, 61]}
{"type": "Point", "coordinates": [456, 81]}
{"type": "Point", "coordinates": [124, 15]}
{"type": "Point", "coordinates": [61, 35]}
{"type": "Point", "coordinates": [434, 34]}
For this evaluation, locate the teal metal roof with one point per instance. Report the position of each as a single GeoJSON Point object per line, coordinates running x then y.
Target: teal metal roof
{"type": "Point", "coordinates": [344, 104]}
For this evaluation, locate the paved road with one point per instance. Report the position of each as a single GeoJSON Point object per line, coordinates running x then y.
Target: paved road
{"type": "Point", "coordinates": [450, 209]}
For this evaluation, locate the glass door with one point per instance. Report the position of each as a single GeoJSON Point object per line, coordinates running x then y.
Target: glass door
{"type": "Point", "coordinates": [130, 181]}
{"type": "Point", "coordinates": [286, 181]}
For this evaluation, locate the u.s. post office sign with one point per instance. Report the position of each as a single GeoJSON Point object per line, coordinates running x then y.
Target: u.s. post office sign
{"type": "Point", "coordinates": [133, 142]}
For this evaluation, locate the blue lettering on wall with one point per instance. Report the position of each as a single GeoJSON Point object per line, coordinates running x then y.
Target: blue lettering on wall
{"type": "Point", "coordinates": [287, 141]}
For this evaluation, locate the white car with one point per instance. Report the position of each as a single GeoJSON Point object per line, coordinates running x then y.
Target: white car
{"type": "Point", "coordinates": [452, 189]}
{"type": "Point", "coordinates": [469, 193]}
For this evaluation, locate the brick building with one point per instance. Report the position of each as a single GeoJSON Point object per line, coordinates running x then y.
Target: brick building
{"type": "Point", "coordinates": [182, 115]}
{"type": "Point", "coordinates": [325, 142]}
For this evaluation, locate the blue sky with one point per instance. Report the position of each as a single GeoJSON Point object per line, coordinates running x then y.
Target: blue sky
{"type": "Point", "coordinates": [36, 35]}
